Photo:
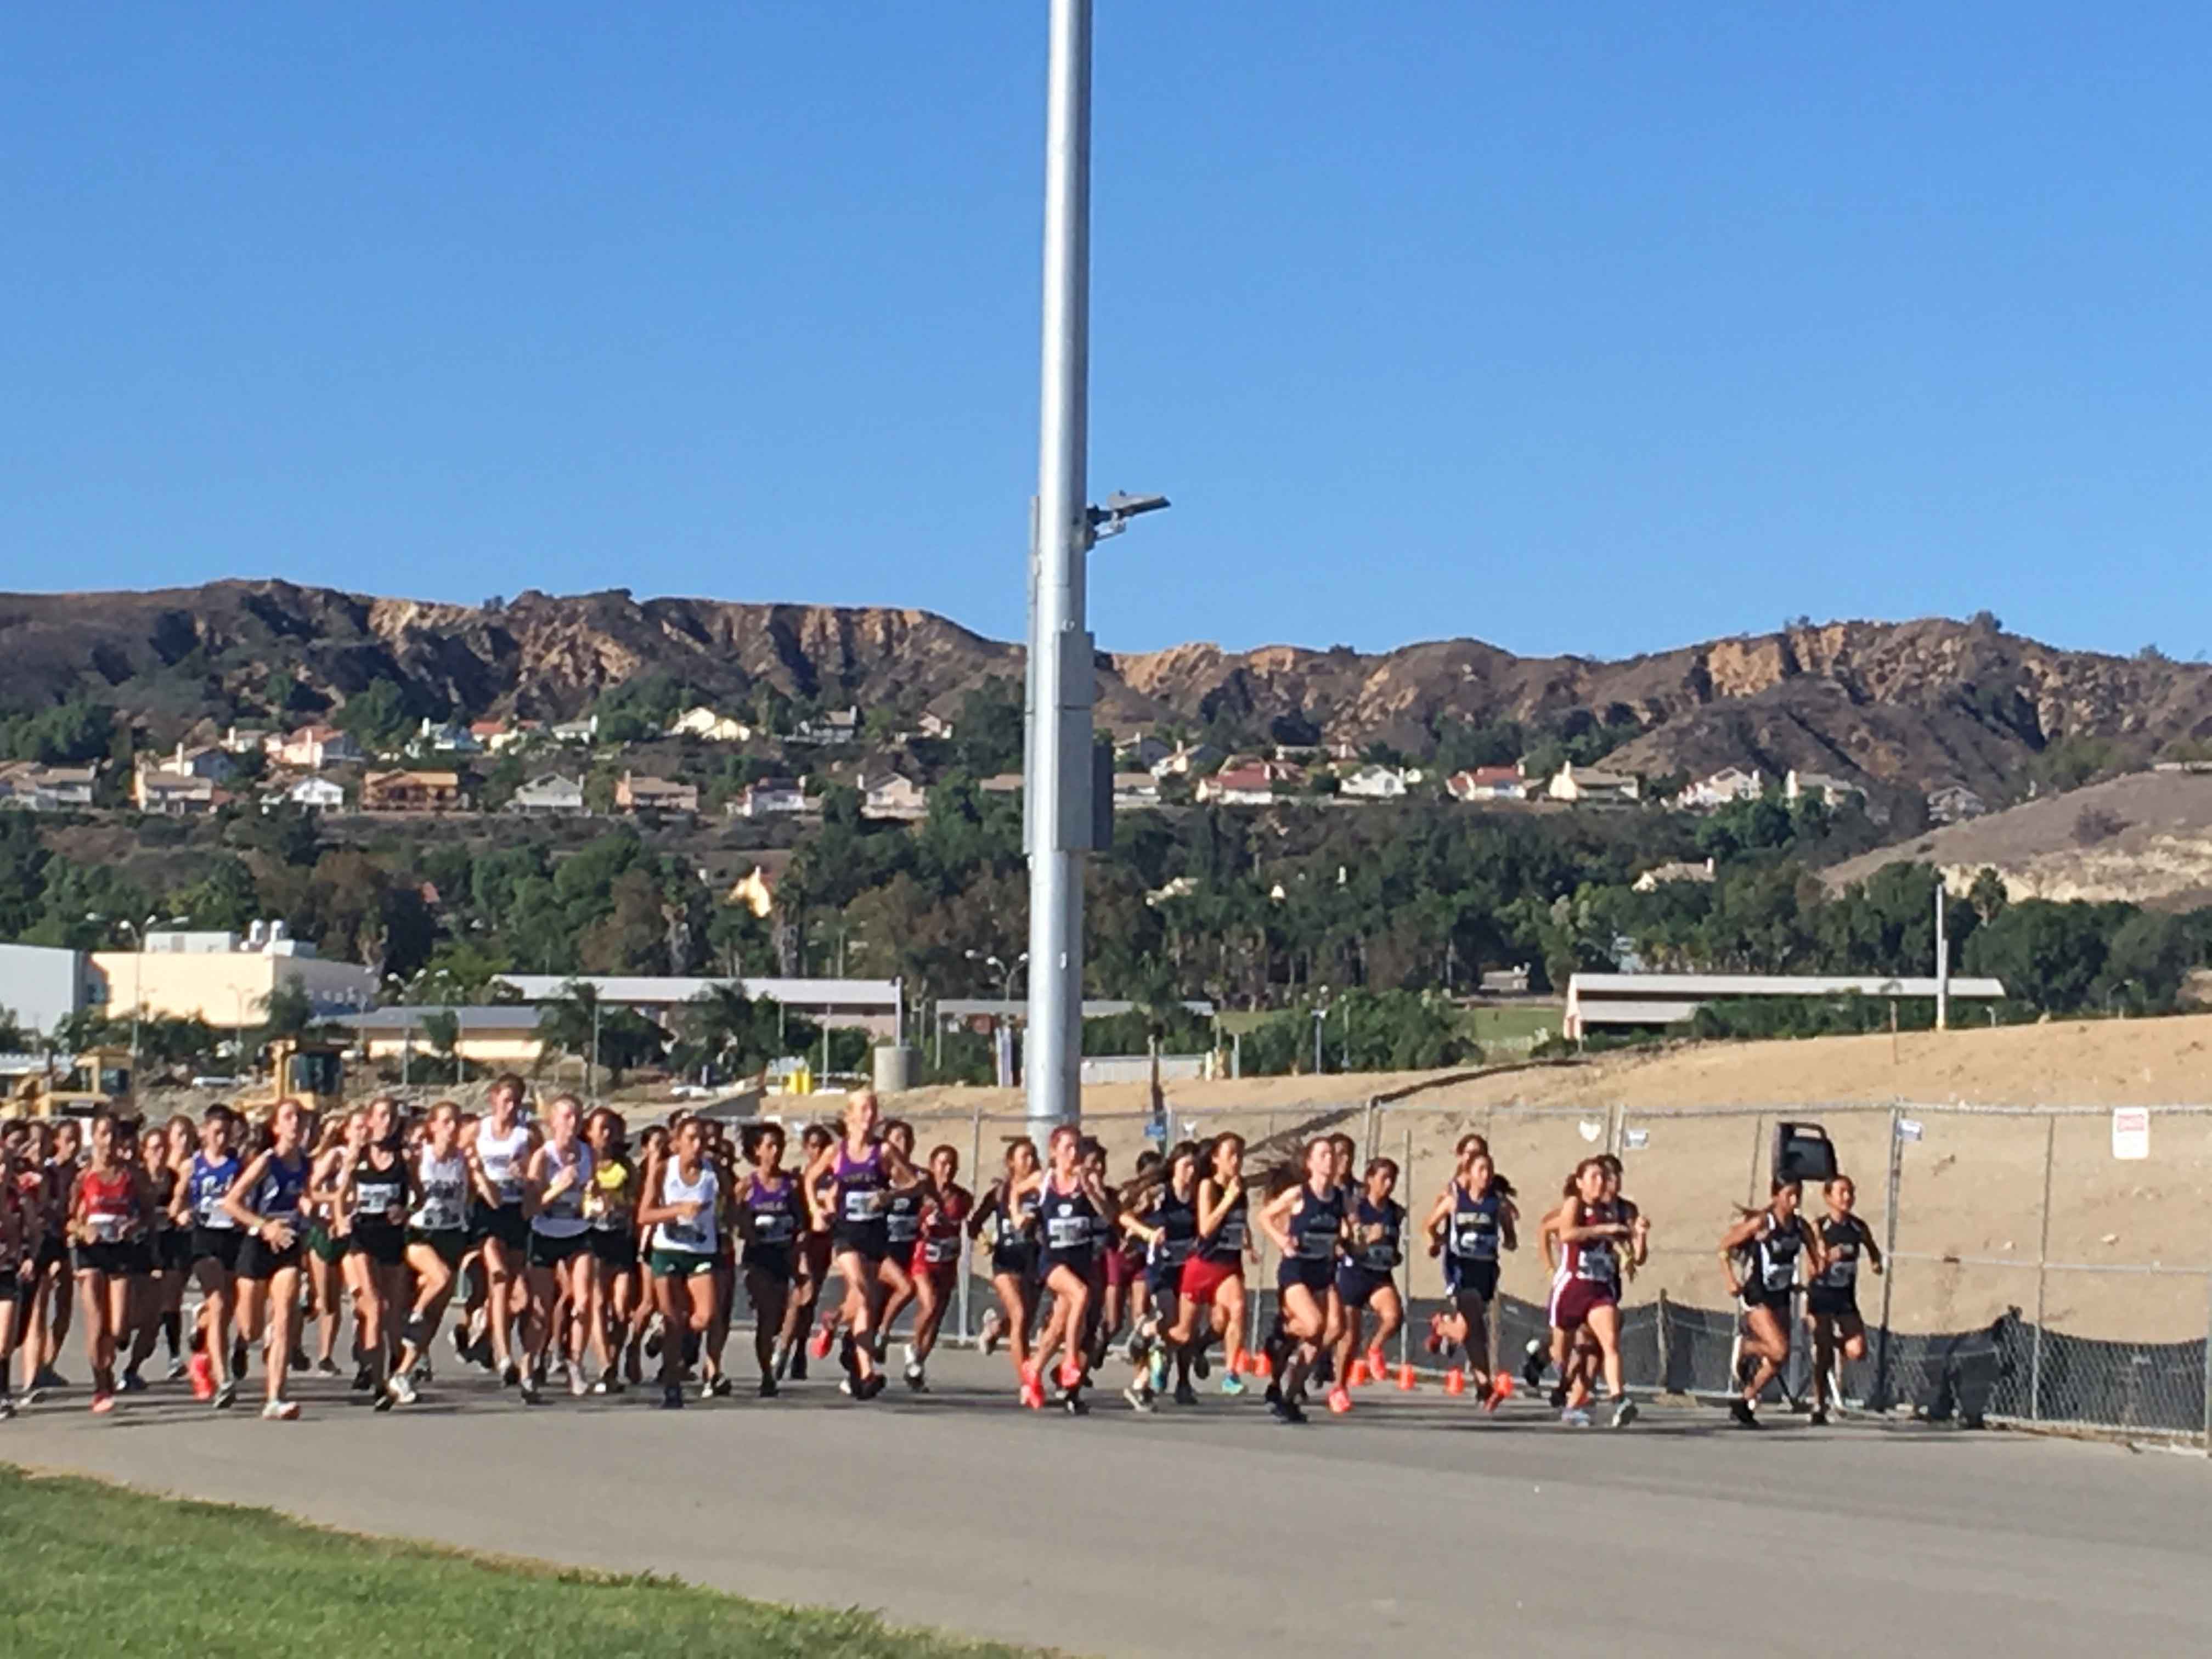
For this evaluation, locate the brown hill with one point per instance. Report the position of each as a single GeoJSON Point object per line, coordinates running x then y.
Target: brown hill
{"type": "Point", "coordinates": [2145, 838]}
{"type": "Point", "coordinates": [1900, 706]}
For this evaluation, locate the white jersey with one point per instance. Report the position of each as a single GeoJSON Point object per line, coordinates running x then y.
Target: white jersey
{"type": "Point", "coordinates": [696, 1236]}
{"type": "Point", "coordinates": [445, 1187]}
{"type": "Point", "coordinates": [563, 1215]}
{"type": "Point", "coordinates": [503, 1157]}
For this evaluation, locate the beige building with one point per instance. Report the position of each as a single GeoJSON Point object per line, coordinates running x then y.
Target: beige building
{"type": "Point", "coordinates": [222, 979]}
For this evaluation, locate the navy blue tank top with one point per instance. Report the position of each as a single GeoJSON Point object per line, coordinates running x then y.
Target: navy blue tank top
{"type": "Point", "coordinates": [1379, 1256]}
{"type": "Point", "coordinates": [1473, 1233]}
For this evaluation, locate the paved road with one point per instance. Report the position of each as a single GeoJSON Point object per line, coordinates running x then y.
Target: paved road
{"type": "Point", "coordinates": [1415, 1525]}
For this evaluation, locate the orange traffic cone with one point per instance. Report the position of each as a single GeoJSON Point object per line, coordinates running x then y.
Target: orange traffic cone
{"type": "Point", "coordinates": [1239, 1362]}
{"type": "Point", "coordinates": [1357, 1375]}
{"type": "Point", "coordinates": [1262, 1367]}
{"type": "Point", "coordinates": [1455, 1381]}
{"type": "Point", "coordinates": [1406, 1383]}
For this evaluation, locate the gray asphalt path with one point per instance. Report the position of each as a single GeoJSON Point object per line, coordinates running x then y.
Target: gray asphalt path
{"type": "Point", "coordinates": [1415, 1526]}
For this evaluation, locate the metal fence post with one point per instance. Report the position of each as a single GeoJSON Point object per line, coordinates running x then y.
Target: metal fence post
{"type": "Point", "coordinates": [2042, 1275]}
{"type": "Point", "coordinates": [967, 1247]}
{"type": "Point", "coordinates": [1880, 1400]}
{"type": "Point", "coordinates": [1405, 1325]}
{"type": "Point", "coordinates": [2208, 1365]}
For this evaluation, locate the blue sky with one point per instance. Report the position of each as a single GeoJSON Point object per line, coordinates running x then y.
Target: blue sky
{"type": "Point", "coordinates": [1571, 328]}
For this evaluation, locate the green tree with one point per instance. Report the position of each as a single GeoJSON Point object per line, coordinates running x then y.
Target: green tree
{"type": "Point", "coordinates": [378, 717]}
{"type": "Point", "coordinates": [441, 1030]}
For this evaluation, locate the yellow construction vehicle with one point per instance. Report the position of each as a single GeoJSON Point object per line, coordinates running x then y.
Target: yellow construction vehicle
{"type": "Point", "coordinates": [98, 1078]}
{"type": "Point", "coordinates": [310, 1070]}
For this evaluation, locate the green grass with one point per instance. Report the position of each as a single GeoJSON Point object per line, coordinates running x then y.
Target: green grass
{"type": "Point", "coordinates": [95, 1570]}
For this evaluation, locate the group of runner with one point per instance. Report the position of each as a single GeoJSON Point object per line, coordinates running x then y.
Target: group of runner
{"type": "Point", "coordinates": [566, 1254]}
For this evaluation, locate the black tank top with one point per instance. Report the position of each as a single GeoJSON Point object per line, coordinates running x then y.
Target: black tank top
{"type": "Point", "coordinates": [1069, 1221]}
{"type": "Point", "coordinates": [1840, 1236]}
{"type": "Point", "coordinates": [1227, 1244]}
{"type": "Point", "coordinates": [376, 1191]}
{"type": "Point", "coordinates": [1775, 1254]}
{"type": "Point", "coordinates": [1177, 1220]}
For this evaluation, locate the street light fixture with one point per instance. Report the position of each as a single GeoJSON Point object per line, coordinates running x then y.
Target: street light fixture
{"type": "Point", "coordinates": [137, 930]}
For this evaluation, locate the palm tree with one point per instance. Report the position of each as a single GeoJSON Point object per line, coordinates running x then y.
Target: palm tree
{"type": "Point", "coordinates": [727, 1028]}
{"type": "Point", "coordinates": [441, 1029]}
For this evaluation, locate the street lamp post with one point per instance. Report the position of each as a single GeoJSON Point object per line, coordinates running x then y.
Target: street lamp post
{"type": "Point", "coordinates": [1056, 830]}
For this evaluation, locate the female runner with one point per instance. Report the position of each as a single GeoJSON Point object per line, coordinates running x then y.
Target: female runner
{"type": "Point", "coordinates": [1164, 1214]}
{"type": "Point", "coordinates": [373, 1197]}
{"type": "Point", "coordinates": [53, 1301]}
{"type": "Point", "coordinates": [210, 1176]}
{"type": "Point", "coordinates": [1473, 1220]}
{"type": "Point", "coordinates": [863, 1169]}
{"type": "Point", "coordinates": [1374, 1247]}
{"type": "Point", "coordinates": [558, 1258]}
{"type": "Point", "coordinates": [1071, 1204]}
{"type": "Point", "coordinates": [268, 1201]}
{"type": "Point", "coordinates": [110, 1217]}
{"type": "Point", "coordinates": [1011, 1203]}
{"type": "Point", "coordinates": [500, 1148]}
{"type": "Point", "coordinates": [1832, 1298]}
{"type": "Point", "coordinates": [769, 1215]}
{"type": "Point", "coordinates": [936, 1265]}
{"type": "Point", "coordinates": [1760, 1255]}
{"type": "Point", "coordinates": [903, 1204]}
{"type": "Point", "coordinates": [810, 1259]}
{"type": "Point", "coordinates": [340, 1141]}
{"type": "Point", "coordinates": [678, 1217]}
{"type": "Point", "coordinates": [162, 1283]}
{"type": "Point", "coordinates": [610, 1207]}
{"type": "Point", "coordinates": [1211, 1290]}
{"type": "Point", "coordinates": [437, 1239]}
{"type": "Point", "coordinates": [19, 1241]}
{"type": "Point", "coordinates": [1306, 1221]}
{"type": "Point", "coordinates": [1586, 1291]}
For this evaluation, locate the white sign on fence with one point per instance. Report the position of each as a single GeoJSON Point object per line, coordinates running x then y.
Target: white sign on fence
{"type": "Point", "coordinates": [1638, 1139]}
{"type": "Point", "coordinates": [2131, 1132]}
{"type": "Point", "coordinates": [1591, 1130]}
{"type": "Point", "coordinates": [1908, 1128]}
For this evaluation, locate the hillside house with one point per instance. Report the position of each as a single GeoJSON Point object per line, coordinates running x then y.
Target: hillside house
{"type": "Point", "coordinates": [174, 795]}
{"type": "Point", "coordinates": [1134, 791]}
{"type": "Point", "coordinates": [893, 797]}
{"type": "Point", "coordinates": [1141, 753]}
{"type": "Point", "coordinates": [635, 794]}
{"type": "Point", "coordinates": [709, 726]}
{"type": "Point", "coordinates": [446, 737]}
{"type": "Point", "coordinates": [1665, 875]}
{"type": "Point", "coordinates": [837, 727]}
{"type": "Point", "coordinates": [497, 737]}
{"type": "Point", "coordinates": [1818, 786]}
{"type": "Point", "coordinates": [1186, 759]}
{"type": "Point", "coordinates": [1241, 786]}
{"type": "Point", "coordinates": [768, 798]}
{"type": "Point", "coordinates": [1730, 783]}
{"type": "Point", "coordinates": [1487, 783]}
{"type": "Point", "coordinates": [552, 795]}
{"type": "Point", "coordinates": [412, 792]}
{"type": "Point", "coordinates": [208, 760]}
{"type": "Point", "coordinates": [315, 749]}
{"type": "Point", "coordinates": [935, 727]}
{"type": "Point", "coordinates": [1954, 804]}
{"type": "Point", "coordinates": [32, 788]}
{"type": "Point", "coordinates": [248, 739]}
{"type": "Point", "coordinates": [1591, 786]}
{"type": "Point", "coordinates": [310, 796]}
{"type": "Point", "coordinates": [1373, 782]}
{"type": "Point", "coordinates": [585, 731]}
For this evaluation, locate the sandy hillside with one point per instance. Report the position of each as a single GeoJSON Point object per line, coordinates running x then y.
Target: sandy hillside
{"type": "Point", "coordinates": [1971, 1187]}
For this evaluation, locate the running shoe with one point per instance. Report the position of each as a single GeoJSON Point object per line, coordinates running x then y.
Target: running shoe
{"type": "Point", "coordinates": [1339, 1400]}
{"type": "Point", "coordinates": [1140, 1398]}
{"type": "Point", "coordinates": [203, 1375]}
{"type": "Point", "coordinates": [768, 1389]}
{"type": "Point", "coordinates": [179, 1368]}
{"type": "Point", "coordinates": [1140, 1342]}
{"type": "Point", "coordinates": [227, 1395]}
{"type": "Point", "coordinates": [511, 1376]}
{"type": "Point", "coordinates": [577, 1386]}
{"type": "Point", "coordinates": [132, 1383]}
{"type": "Point", "coordinates": [672, 1398]}
{"type": "Point", "coordinates": [869, 1387]}
{"type": "Point", "coordinates": [819, 1344]}
{"type": "Point", "coordinates": [917, 1381]}
{"type": "Point", "coordinates": [1433, 1343]}
{"type": "Point", "coordinates": [1741, 1410]}
{"type": "Point", "coordinates": [364, 1379]}
{"type": "Point", "coordinates": [1231, 1383]}
{"type": "Point", "coordinates": [1532, 1367]}
{"type": "Point", "coordinates": [653, 1339]}
{"type": "Point", "coordinates": [1032, 1394]}
{"type": "Point", "coordinates": [907, 1353]}
{"type": "Point", "coordinates": [1575, 1416]}
{"type": "Point", "coordinates": [401, 1389]}
{"type": "Point", "coordinates": [281, 1411]}
{"type": "Point", "coordinates": [798, 1372]}
{"type": "Point", "coordinates": [530, 1396]}
{"type": "Point", "coordinates": [720, 1386]}
{"type": "Point", "coordinates": [1376, 1362]}
{"type": "Point", "coordinates": [1185, 1395]}
{"type": "Point", "coordinates": [102, 1404]}
{"type": "Point", "coordinates": [381, 1403]}
{"type": "Point", "coordinates": [994, 1328]}
{"type": "Point", "coordinates": [7, 1407]}
{"type": "Point", "coordinates": [1201, 1367]}
{"type": "Point", "coordinates": [558, 1372]}
{"type": "Point", "coordinates": [463, 1348]}
{"type": "Point", "coordinates": [1286, 1411]}
{"type": "Point", "coordinates": [1500, 1391]}
{"type": "Point", "coordinates": [238, 1357]}
{"type": "Point", "coordinates": [323, 1367]}
{"type": "Point", "coordinates": [782, 1365]}
{"type": "Point", "coordinates": [1623, 1413]}
{"type": "Point", "coordinates": [33, 1394]}
{"type": "Point", "coordinates": [1074, 1406]}
{"type": "Point", "coordinates": [48, 1377]}
{"type": "Point", "coordinates": [1819, 1417]}
{"type": "Point", "coordinates": [1559, 1397]}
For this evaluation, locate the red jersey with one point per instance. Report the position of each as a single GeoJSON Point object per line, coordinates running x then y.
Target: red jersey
{"type": "Point", "coordinates": [939, 1244]}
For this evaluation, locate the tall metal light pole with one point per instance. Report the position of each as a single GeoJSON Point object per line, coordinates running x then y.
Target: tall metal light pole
{"type": "Point", "coordinates": [1056, 791]}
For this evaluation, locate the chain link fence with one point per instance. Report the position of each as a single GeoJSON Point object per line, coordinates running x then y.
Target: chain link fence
{"type": "Point", "coordinates": [2032, 1276]}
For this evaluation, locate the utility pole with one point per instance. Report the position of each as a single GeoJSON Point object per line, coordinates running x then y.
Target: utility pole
{"type": "Point", "coordinates": [1942, 962]}
{"type": "Point", "coordinates": [1057, 820]}
{"type": "Point", "coordinates": [1057, 787]}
